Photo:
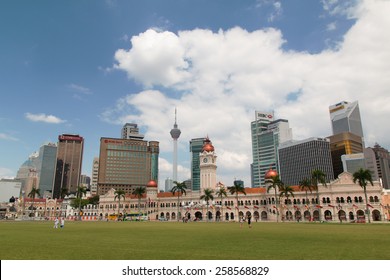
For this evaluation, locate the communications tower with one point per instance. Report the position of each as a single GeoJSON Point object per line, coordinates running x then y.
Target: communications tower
{"type": "Point", "coordinates": [175, 133]}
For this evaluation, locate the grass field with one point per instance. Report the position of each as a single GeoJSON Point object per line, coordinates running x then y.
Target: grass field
{"type": "Point", "coordinates": [197, 241]}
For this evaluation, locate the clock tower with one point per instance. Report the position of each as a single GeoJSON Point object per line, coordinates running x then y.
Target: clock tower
{"type": "Point", "coordinates": [208, 166]}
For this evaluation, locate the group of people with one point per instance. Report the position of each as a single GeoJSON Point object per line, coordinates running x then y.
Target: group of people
{"type": "Point", "coordinates": [242, 220]}
{"type": "Point", "coordinates": [59, 222]}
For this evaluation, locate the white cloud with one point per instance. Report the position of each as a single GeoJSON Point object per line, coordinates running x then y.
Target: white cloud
{"type": "Point", "coordinates": [220, 79]}
{"type": "Point", "coordinates": [80, 89]}
{"type": "Point", "coordinates": [4, 136]}
{"type": "Point", "coordinates": [331, 26]}
{"type": "Point", "coordinates": [44, 118]}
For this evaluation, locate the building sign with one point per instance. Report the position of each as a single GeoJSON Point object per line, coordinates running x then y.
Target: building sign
{"type": "Point", "coordinates": [264, 116]}
{"type": "Point", "coordinates": [67, 137]}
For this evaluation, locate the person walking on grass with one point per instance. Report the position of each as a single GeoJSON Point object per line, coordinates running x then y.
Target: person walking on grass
{"type": "Point", "coordinates": [62, 222]}
{"type": "Point", "coordinates": [249, 221]}
{"type": "Point", "coordinates": [55, 223]}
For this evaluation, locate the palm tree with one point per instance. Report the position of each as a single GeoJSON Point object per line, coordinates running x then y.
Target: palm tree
{"type": "Point", "coordinates": [363, 177]}
{"type": "Point", "coordinates": [139, 193]}
{"type": "Point", "coordinates": [180, 188]}
{"type": "Point", "coordinates": [306, 185]}
{"type": "Point", "coordinates": [236, 189]}
{"type": "Point", "coordinates": [64, 192]}
{"type": "Point", "coordinates": [275, 183]}
{"type": "Point", "coordinates": [286, 191]}
{"type": "Point", "coordinates": [79, 195]}
{"type": "Point", "coordinates": [221, 193]}
{"type": "Point", "coordinates": [34, 192]}
{"type": "Point", "coordinates": [118, 195]}
{"type": "Point", "coordinates": [207, 195]}
{"type": "Point", "coordinates": [317, 176]}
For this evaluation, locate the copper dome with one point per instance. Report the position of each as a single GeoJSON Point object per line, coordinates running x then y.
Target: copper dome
{"type": "Point", "coordinates": [151, 184]}
{"type": "Point", "coordinates": [270, 174]}
{"type": "Point", "coordinates": [207, 146]}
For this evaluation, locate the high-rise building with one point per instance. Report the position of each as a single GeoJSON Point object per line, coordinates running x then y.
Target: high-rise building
{"type": "Point", "coordinates": [196, 146]}
{"type": "Point", "coordinates": [46, 164]}
{"type": "Point", "coordinates": [68, 166]}
{"type": "Point", "coordinates": [382, 160]}
{"type": "Point", "coordinates": [168, 184]}
{"type": "Point", "coordinates": [345, 117]}
{"type": "Point", "coordinates": [175, 133]}
{"type": "Point", "coordinates": [208, 166]}
{"type": "Point", "coordinates": [125, 164]}
{"type": "Point", "coordinates": [267, 134]}
{"type": "Point", "coordinates": [131, 131]}
{"type": "Point", "coordinates": [95, 173]}
{"type": "Point", "coordinates": [353, 162]}
{"type": "Point", "coordinates": [344, 143]}
{"type": "Point", "coordinates": [298, 159]}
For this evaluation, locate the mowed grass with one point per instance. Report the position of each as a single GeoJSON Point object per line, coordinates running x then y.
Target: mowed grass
{"type": "Point", "coordinates": [193, 241]}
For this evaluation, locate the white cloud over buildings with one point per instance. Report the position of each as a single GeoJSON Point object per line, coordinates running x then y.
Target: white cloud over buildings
{"type": "Point", "coordinates": [218, 79]}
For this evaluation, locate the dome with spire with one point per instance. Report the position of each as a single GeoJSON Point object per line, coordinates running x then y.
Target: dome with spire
{"type": "Point", "coordinates": [207, 146]}
{"type": "Point", "coordinates": [151, 184]}
{"type": "Point", "coordinates": [270, 174]}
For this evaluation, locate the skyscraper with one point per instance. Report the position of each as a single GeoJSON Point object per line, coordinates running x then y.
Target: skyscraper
{"type": "Point", "coordinates": [347, 135]}
{"type": "Point", "coordinates": [345, 117]}
{"type": "Point", "coordinates": [125, 164]}
{"type": "Point", "coordinates": [68, 165]}
{"type": "Point", "coordinates": [382, 162]}
{"type": "Point", "coordinates": [196, 146]}
{"type": "Point", "coordinates": [267, 134]}
{"type": "Point", "coordinates": [95, 173]}
{"type": "Point", "coordinates": [175, 133]}
{"type": "Point", "coordinates": [298, 159]}
{"type": "Point", "coordinates": [46, 164]}
{"type": "Point", "coordinates": [344, 143]}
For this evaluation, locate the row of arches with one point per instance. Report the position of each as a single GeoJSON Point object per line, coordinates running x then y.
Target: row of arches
{"type": "Point", "coordinates": [341, 215]}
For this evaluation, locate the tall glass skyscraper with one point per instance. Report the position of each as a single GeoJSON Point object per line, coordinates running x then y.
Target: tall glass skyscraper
{"type": "Point", "coordinates": [196, 146]}
{"type": "Point", "coordinates": [345, 117]}
{"type": "Point", "coordinates": [267, 134]}
{"type": "Point", "coordinates": [46, 166]}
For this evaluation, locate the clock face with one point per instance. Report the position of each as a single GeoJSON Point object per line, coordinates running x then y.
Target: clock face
{"type": "Point", "coordinates": [205, 160]}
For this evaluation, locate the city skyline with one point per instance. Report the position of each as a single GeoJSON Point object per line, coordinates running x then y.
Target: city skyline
{"type": "Point", "coordinates": [88, 69]}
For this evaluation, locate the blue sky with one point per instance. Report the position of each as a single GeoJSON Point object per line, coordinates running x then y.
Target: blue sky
{"type": "Point", "coordinates": [87, 67]}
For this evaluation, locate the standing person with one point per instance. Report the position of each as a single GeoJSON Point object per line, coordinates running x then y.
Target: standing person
{"type": "Point", "coordinates": [249, 221]}
{"type": "Point", "coordinates": [62, 222]}
{"type": "Point", "coordinates": [241, 221]}
{"type": "Point", "coordinates": [56, 222]}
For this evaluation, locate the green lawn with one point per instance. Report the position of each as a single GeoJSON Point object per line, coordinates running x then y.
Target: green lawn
{"type": "Point", "coordinates": [198, 241]}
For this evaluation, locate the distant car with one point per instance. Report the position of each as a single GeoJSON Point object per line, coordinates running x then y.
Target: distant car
{"type": "Point", "coordinates": [162, 219]}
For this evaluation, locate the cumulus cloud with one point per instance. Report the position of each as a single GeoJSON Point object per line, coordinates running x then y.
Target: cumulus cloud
{"type": "Point", "coordinates": [43, 118]}
{"type": "Point", "coordinates": [218, 79]}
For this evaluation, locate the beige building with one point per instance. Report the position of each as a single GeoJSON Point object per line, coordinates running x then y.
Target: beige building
{"type": "Point", "coordinates": [126, 164]}
{"type": "Point", "coordinates": [342, 200]}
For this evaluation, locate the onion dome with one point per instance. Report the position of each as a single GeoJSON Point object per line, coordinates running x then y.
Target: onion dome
{"type": "Point", "coordinates": [151, 184]}
{"type": "Point", "coordinates": [270, 174]}
{"type": "Point", "coordinates": [207, 146]}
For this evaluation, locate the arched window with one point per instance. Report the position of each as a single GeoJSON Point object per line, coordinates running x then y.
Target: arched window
{"type": "Point", "coordinates": [371, 199]}
{"type": "Point", "coordinates": [376, 199]}
{"type": "Point", "coordinates": [342, 200]}
{"type": "Point", "coordinates": [360, 199]}
{"type": "Point", "coordinates": [337, 200]}
{"type": "Point", "coordinates": [349, 199]}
